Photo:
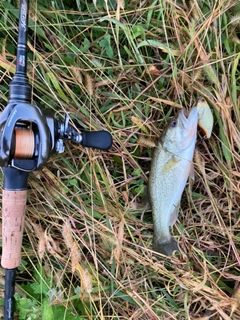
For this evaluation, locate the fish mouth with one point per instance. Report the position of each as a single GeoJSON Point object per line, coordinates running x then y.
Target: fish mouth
{"type": "Point", "coordinates": [184, 114]}
{"type": "Point", "coordinates": [188, 116]}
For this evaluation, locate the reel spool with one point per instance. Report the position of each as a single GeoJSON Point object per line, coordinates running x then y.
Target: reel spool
{"type": "Point", "coordinates": [24, 144]}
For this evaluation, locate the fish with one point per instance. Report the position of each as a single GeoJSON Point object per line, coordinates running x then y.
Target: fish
{"type": "Point", "coordinates": [171, 166]}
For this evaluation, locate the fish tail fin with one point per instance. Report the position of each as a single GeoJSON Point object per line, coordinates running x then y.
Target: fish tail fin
{"type": "Point", "coordinates": [166, 248]}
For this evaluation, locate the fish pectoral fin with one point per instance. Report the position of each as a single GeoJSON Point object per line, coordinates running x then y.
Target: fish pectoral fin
{"type": "Point", "coordinates": [174, 215]}
{"type": "Point", "coordinates": [170, 164]}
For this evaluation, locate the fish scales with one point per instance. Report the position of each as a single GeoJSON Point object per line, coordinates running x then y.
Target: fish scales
{"type": "Point", "coordinates": [170, 168]}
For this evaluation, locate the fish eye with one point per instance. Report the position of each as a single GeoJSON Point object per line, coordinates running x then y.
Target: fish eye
{"type": "Point", "coordinates": [174, 123]}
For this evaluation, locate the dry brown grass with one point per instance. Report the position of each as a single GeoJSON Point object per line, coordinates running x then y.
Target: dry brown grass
{"type": "Point", "coordinates": [84, 219]}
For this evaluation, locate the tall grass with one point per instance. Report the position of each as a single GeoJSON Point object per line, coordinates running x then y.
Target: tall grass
{"type": "Point", "coordinates": [127, 67]}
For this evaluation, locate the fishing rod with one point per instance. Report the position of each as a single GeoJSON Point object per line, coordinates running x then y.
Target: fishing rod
{"type": "Point", "coordinates": [28, 137]}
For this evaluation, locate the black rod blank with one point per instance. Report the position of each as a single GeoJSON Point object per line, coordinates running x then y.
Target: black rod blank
{"type": "Point", "coordinates": [20, 89]}
{"type": "Point", "coordinates": [9, 293]}
{"type": "Point", "coordinates": [21, 65]}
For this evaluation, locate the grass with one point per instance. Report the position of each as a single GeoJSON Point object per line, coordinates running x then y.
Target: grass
{"type": "Point", "coordinates": [127, 67]}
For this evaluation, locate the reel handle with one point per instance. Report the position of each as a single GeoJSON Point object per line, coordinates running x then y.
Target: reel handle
{"type": "Point", "coordinates": [101, 140]}
{"type": "Point", "coordinates": [13, 214]}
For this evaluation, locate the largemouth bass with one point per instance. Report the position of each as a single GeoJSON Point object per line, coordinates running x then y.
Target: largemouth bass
{"type": "Point", "coordinates": [170, 168]}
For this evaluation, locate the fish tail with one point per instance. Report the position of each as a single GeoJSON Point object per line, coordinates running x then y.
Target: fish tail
{"type": "Point", "coordinates": [166, 248]}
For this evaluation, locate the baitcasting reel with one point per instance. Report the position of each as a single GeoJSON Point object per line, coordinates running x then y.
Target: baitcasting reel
{"type": "Point", "coordinates": [28, 136]}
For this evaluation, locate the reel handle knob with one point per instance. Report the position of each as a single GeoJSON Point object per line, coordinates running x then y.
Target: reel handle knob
{"type": "Point", "coordinates": [101, 140]}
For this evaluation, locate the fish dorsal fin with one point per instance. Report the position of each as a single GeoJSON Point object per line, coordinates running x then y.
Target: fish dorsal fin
{"type": "Point", "coordinates": [191, 171]}
{"type": "Point", "coordinates": [174, 215]}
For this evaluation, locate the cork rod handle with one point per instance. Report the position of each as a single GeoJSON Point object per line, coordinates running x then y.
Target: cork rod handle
{"type": "Point", "coordinates": [13, 213]}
